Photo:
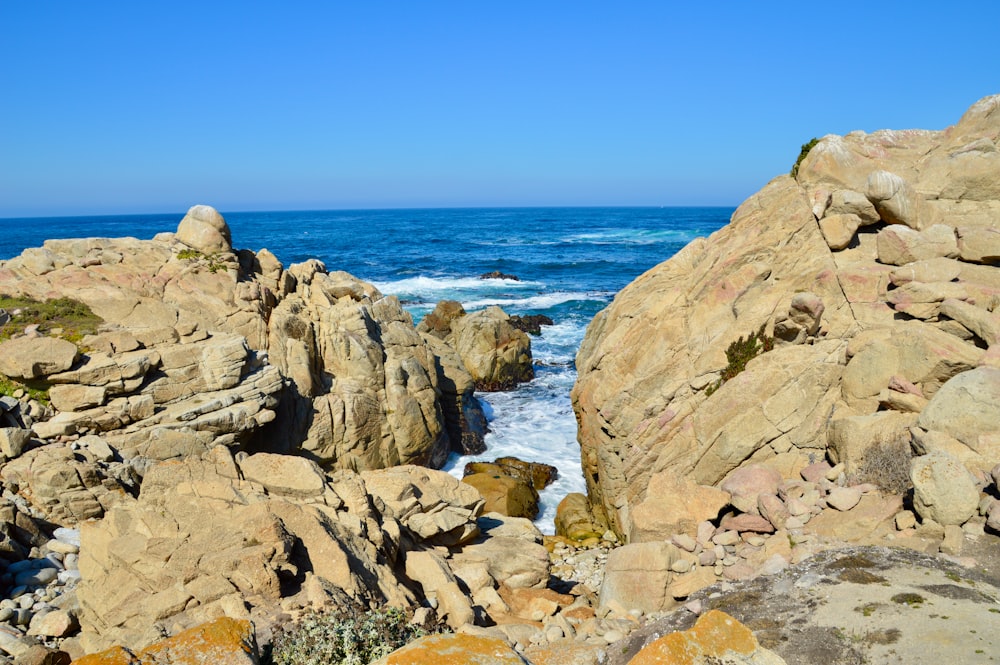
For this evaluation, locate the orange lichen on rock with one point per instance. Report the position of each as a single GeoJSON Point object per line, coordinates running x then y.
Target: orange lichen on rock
{"type": "Point", "coordinates": [454, 649]}
{"type": "Point", "coordinates": [716, 637]}
{"type": "Point", "coordinates": [224, 641]}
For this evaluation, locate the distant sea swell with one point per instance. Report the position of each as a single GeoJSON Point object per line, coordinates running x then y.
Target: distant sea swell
{"type": "Point", "coordinates": [570, 262]}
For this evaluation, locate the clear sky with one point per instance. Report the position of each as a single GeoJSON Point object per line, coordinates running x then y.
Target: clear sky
{"type": "Point", "coordinates": [129, 107]}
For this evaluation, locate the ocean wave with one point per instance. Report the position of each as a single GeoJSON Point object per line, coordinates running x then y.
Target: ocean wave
{"type": "Point", "coordinates": [422, 285]}
{"type": "Point", "coordinates": [540, 301]}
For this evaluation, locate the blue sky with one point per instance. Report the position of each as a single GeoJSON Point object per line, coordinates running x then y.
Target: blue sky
{"type": "Point", "coordinates": [130, 107]}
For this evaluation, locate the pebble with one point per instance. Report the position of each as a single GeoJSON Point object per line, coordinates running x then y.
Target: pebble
{"type": "Point", "coordinates": [680, 566]}
{"type": "Point", "coordinates": [613, 635]}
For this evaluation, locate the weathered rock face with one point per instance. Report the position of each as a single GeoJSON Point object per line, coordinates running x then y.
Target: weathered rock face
{"type": "Point", "coordinates": [204, 345]}
{"type": "Point", "coordinates": [217, 536]}
{"type": "Point", "coordinates": [496, 354]}
{"type": "Point", "coordinates": [859, 270]}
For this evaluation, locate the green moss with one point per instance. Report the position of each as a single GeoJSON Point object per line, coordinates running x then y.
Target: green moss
{"type": "Point", "coordinates": [867, 609]}
{"type": "Point", "coordinates": [806, 147]}
{"type": "Point", "coordinates": [912, 599]}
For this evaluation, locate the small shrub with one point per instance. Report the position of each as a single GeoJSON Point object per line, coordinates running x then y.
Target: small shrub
{"type": "Point", "coordinates": [215, 264]}
{"type": "Point", "coordinates": [739, 353]}
{"type": "Point", "coordinates": [806, 147]}
{"type": "Point", "coordinates": [344, 637]}
{"type": "Point", "coordinates": [886, 465]}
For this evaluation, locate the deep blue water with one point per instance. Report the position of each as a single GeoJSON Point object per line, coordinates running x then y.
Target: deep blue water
{"type": "Point", "coordinates": [570, 262]}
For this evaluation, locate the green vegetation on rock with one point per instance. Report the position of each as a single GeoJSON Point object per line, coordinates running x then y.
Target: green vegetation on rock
{"type": "Point", "coordinates": [344, 637]}
{"type": "Point", "coordinates": [10, 388]}
{"type": "Point", "coordinates": [61, 317]}
{"type": "Point", "coordinates": [215, 264]}
{"type": "Point", "coordinates": [806, 147]}
{"type": "Point", "coordinates": [740, 353]}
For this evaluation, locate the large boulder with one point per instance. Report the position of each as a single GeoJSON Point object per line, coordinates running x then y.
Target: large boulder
{"type": "Point", "coordinates": [36, 357]}
{"type": "Point", "coordinates": [496, 354]}
{"type": "Point", "coordinates": [967, 408]}
{"type": "Point", "coordinates": [204, 229]}
{"type": "Point", "coordinates": [943, 490]}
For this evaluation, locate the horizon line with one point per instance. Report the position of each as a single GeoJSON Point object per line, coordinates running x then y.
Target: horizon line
{"type": "Point", "coordinates": [372, 209]}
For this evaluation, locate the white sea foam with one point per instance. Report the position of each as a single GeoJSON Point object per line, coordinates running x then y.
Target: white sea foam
{"type": "Point", "coordinates": [540, 301]}
{"type": "Point", "coordinates": [629, 237]}
{"type": "Point", "coordinates": [536, 423]}
{"type": "Point", "coordinates": [436, 287]}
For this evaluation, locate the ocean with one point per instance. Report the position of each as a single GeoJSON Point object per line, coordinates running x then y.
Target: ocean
{"type": "Point", "coordinates": [570, 262]}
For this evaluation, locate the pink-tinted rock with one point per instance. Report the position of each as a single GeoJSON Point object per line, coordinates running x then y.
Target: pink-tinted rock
{"type": "Point", "coordinates": [746, 483]}
{"type": "Point", "coordinates": [815, 471]}
{"type": "Point", "coordinates": [747, 522]}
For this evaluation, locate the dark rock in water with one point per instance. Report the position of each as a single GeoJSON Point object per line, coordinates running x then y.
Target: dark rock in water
{"type": "Point", "coordinates": [536, 474]}
{"type": "Point", "coordinates": [531, 324]}
{"type": "Point", "coordinates": [505, 494]}
{"type": "Point", "coordinates": [496, 274]}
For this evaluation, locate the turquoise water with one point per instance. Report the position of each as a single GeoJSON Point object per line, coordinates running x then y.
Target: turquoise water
{"type": "Point", "coordinates": [570, 262]}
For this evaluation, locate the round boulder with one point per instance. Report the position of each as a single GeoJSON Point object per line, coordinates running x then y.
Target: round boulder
{"type": "Point", "coordinates": [943, 489]}
{"type": "Point", "coordinates": [204, 229]}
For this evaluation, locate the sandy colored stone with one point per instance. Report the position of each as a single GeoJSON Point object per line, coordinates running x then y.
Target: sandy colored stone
{"type": "Point", "coordinates": [943, 490]}
{"type": "Point", "coordinates": [674, 505]}
{"type": "Point", "coordinates": [746, 483]}
{"type": "Point", "coordinates": [637, 576]}
{"type": "Point", "coordinates": [205, 230]}
{"type": "Point", "coordinates": [497, 355]}
{"type": "Point", "coordinates": [35, 357]}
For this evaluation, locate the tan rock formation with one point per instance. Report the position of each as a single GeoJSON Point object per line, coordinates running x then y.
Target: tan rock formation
{"type": "Point", "coordinates": [872, 230]}
{"type": "Point", "coordinates": [495, 353]}
{"type": "Point", "coordinates": [217, 536]}
{"type": "Point", "coordinates": [202, 343]}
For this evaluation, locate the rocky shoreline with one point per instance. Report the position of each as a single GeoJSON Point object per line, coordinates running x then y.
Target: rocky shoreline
{"type": "Point", "coordinates": [789, 434]}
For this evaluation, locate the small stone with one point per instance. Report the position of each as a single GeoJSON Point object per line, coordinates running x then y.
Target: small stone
{"type": "Point", "coordinates": [793, 523]}
{"type": "Point", "coordinates": [815, 471]}
{"type": "Point", "coordinates": [36, 578]}
{"type": "Point", "coordinates": [834, 473]}
{"type": "Point", "coordinates": [680, 566]}
{"type": "Point", "coordinates": [613, 636]}
{"type": "Point", "coordinates": [844, 498]}
{"type": "Point", "coordinates": [726, 538]}
{"type": "Point", "coordinates": [796, 507]}
{"type": "Point", "coordinates": [905, 519]}
{"type": "Point", "coordinates": [684, 541]}
{"type": "Point", "coordinates": [705, 532]}
{"type": "Point", "coordinates": [707, 558]}
{"type": "Point", "coordinates": [954, 539]}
